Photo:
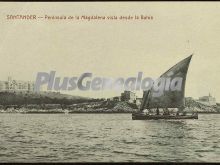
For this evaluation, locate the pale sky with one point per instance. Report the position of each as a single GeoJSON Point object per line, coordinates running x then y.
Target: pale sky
{"type": "Point", "coordinates": [113, 48]}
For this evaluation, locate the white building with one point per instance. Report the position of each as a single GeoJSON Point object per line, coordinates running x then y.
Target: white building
{"type": "Point", "coordinates": [16, 85]}
{"type": "Point", "coordinates": [128, 96]}
{"type": "Point", "coordinates": [207, 100]}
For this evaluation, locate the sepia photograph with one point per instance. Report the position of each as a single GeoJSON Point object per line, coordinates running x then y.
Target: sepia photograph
{"type": "Point", "coordinates": [109, 82]}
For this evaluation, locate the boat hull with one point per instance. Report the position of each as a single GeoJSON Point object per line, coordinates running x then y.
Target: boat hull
{"type": "Point", "coordinates": [138, 116]}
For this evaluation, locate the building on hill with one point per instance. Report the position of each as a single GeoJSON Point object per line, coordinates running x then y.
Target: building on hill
{"type": "Point", "coordinates": [207, 100]}
{"type": "Point", "coordinates": [128, 96]}
{"type": "Point", "coordinates": [117, 98]}
{"type": "Point", "coordinates": [16, 85]}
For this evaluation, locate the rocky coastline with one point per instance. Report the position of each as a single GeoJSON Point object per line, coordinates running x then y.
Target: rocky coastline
{"type": "Point", "coordinates": [50, 102]}
{"type": "Point", "coordinates": [96, 107]}
{"type": "Point", "coordinates": [93, 107]}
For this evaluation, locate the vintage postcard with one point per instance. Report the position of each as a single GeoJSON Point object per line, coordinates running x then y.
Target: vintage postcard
{"type": "Point", "coordinates": [109, 82]}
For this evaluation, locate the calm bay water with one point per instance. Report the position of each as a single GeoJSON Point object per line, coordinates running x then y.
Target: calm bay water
{"type": "Point", "coordinates": [108, 138]}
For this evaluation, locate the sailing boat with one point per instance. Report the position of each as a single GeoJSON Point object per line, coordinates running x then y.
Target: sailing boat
{"type": "Point", "coordinates": [169, 98]}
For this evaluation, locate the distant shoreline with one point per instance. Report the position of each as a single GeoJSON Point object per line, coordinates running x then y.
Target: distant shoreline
{"type": "Point", "coordinates": [74, 112]}
{"type": "Point", "coordinates": [107, 112]}
{"type": "Point", "coordinates": [209, 112]}
{"type": "Point", "coordinates": [56, 103]}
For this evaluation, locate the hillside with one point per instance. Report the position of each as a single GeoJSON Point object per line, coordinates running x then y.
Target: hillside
{"type": "Point", "coordinates": [24, 98]}
{"type": "Point", "coordinates": [103, 106]}
{"type": "Point", "coordinates": [199, 107]}
{"type": "Point", "coordinates": [55, 101]}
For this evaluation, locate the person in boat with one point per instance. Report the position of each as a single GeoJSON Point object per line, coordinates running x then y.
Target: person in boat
{"type": "Point", "coordinates": [158, 112]}
{"type": "Point", "coordinates": [166, 111]}
{"type": "Point", "coordinates": [184, 113]}
{"type": "Point", "coordinates": [181, 110]}
{"type": "Point", "coordinates": [177, 113]}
